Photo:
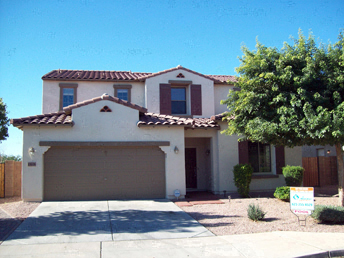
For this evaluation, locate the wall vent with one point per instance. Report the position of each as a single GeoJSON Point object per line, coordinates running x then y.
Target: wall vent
{"type": "Point", "coordinates": [105, 109]}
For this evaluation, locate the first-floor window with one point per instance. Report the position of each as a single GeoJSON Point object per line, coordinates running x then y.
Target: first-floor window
{"type": "Point", "coordinates": [259, 156]}
{"type": "Point", "coordinates": [178, 100]}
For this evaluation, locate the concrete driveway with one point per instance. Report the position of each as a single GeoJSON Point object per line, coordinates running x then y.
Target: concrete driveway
{"type": "Point", "coordinates": [97, 221]}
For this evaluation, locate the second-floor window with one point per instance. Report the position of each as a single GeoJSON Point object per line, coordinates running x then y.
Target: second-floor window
{"type": "Point", "coordinates": [123, 91]}
{"type": "Point", "coordinates": [123, 94]}
{"type": "Point", "coordinates": [68, 97]}
{"type": "Point", "coordinates": [178, 100]}
{"type": "Point", "coordinates": [67, 94]}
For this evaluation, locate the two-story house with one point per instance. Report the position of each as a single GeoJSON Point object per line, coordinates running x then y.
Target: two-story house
{"type": "Point", "coordinates": [128, 135]}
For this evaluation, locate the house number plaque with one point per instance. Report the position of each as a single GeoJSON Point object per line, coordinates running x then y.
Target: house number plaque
{"type": "Point", "coordinates": [31, 164]}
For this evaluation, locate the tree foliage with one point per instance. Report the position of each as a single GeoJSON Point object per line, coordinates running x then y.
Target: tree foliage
{"type": "Point", "coordinates": [4, 157]}
{"type": "Point", "coordinates": [4, 121]}
{"type": "Point", "coordinates": [293, 96]}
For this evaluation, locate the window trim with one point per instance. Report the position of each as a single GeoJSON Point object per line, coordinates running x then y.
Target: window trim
{"type": "Point", "coordinates": [180, 82]}
{"type": "Point", "coordinates": [67, 86]}
{"type": "Point", "coordinates": [123, 87]}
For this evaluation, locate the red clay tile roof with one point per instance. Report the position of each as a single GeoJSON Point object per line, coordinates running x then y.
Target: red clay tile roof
{"type": "Point", "coordinates": [105, 97]}
{"type": "Point", "coordinates": [146, 119]}
{"type": "Point", "coordinates": [59, 118]}
{"type": "Point", "coordinates": [152, 119]}
{"type": "Point", "coordinates": [112, 76]}
{"type": "Point", "coordinates": [223, 78]}
{"type": "Point", "coordinates": [64, 117]}
{"type": "Point", "coordinates": [81, 75]}
{"type": "Point", "coordinates": [220, 117]}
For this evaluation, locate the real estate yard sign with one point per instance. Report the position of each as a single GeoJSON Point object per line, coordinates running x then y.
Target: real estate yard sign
{"type": "Point", "coordinates": [301, 200]}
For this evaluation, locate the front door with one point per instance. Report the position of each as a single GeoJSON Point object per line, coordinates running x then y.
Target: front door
{"type": "Point", "coordinates": [190, 168]}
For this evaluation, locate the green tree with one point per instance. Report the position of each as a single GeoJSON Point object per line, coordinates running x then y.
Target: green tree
{"type": "Point", "coordinates": [291, 97]}
{"type": "Point", "coordinates": [4, 121]}
{"type": "Point", "coordinates": [4, 157]}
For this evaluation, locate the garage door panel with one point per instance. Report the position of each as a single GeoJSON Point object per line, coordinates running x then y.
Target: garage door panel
{"type": "Point", "coordinates": [96, 173]}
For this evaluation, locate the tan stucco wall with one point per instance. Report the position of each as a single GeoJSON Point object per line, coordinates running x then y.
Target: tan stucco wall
{"type": "Point", "coordinates": [220, 93]}
{"type": "Point", "coordinates": [91, 125]}
{"type": "Point", "coordinates": [141, 92]}
{"type": "Point", "coordinates": [293, 156]}
{"type": "Point", "coordinates": [152, 91]}
{"type": "Point", "coordinates": [228, 158]}
{"type": "Point", "coordinates": [87, 90]}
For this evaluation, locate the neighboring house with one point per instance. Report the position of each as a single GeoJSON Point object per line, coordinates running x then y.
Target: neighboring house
{"type": "Point", "coordinates": [320, 164]}
{"type": "Point", "coordinates": [318, 151]}
{"type": "Point", "coordinates": [151, 134]}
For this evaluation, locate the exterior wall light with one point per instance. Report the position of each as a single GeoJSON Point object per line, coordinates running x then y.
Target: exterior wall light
{"type": "Point", "coordinates": [207, 152]}
{"type": "Point", "coordinates": [32, 150]}
{"type": "Point", "coordinates": [328, 151]}
{"type": "Point", "coordinates": [176, 150]}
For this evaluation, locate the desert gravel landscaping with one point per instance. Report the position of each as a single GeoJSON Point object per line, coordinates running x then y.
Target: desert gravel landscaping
{"type": "Point", "coordinates": [16, 208]}
{"type": "Point", "coordinates": [231, 217]}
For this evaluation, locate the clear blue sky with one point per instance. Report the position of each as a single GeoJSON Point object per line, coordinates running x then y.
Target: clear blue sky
{"type": "Point", "coordinates": [37, 36]}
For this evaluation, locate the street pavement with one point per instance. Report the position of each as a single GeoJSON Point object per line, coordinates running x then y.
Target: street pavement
{"type": "Point", "coordinates": [270, 245]}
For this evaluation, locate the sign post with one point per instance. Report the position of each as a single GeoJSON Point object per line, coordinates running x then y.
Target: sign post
{"type": "Point", "coordinates": [302, 201]}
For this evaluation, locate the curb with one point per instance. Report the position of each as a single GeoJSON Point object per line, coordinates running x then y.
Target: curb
{"type": "Point", "coordinates": [325, 254]}
{"type": "Point", "coordinates": [336, 253]}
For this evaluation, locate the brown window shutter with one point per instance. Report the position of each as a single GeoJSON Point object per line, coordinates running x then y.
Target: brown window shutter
{"type": "Point", "coordinates": [165, 99]}
{"type": "Point", "coordinates": [196, 99]}
{"type": "Point", "coordinates": [280, 159]}
{"type": "Point", "coordinates": [243, 152]}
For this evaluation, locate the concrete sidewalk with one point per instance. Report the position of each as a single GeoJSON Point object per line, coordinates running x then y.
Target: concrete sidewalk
{"type": "Point", "coordinates": [271, 244]}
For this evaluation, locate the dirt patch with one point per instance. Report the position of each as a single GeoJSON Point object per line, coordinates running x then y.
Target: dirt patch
{"type": "Point", "coordinates": [231, 218]}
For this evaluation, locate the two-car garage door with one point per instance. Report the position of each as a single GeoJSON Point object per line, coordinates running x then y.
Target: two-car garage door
{"type": "Point", "coordinates": [103, 173]}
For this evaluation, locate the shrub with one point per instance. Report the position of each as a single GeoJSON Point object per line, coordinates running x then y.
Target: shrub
{"type": "Point", "coordinates": [242, 178]}
{"type": "Point", "coordinates": [328, 214]}
{"type": "Point", "coordinates": [293, 175]}
{"type": "Point", "coordinates": [255, 213]}
{"type": "Point", "coordinates": [283, 193]}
